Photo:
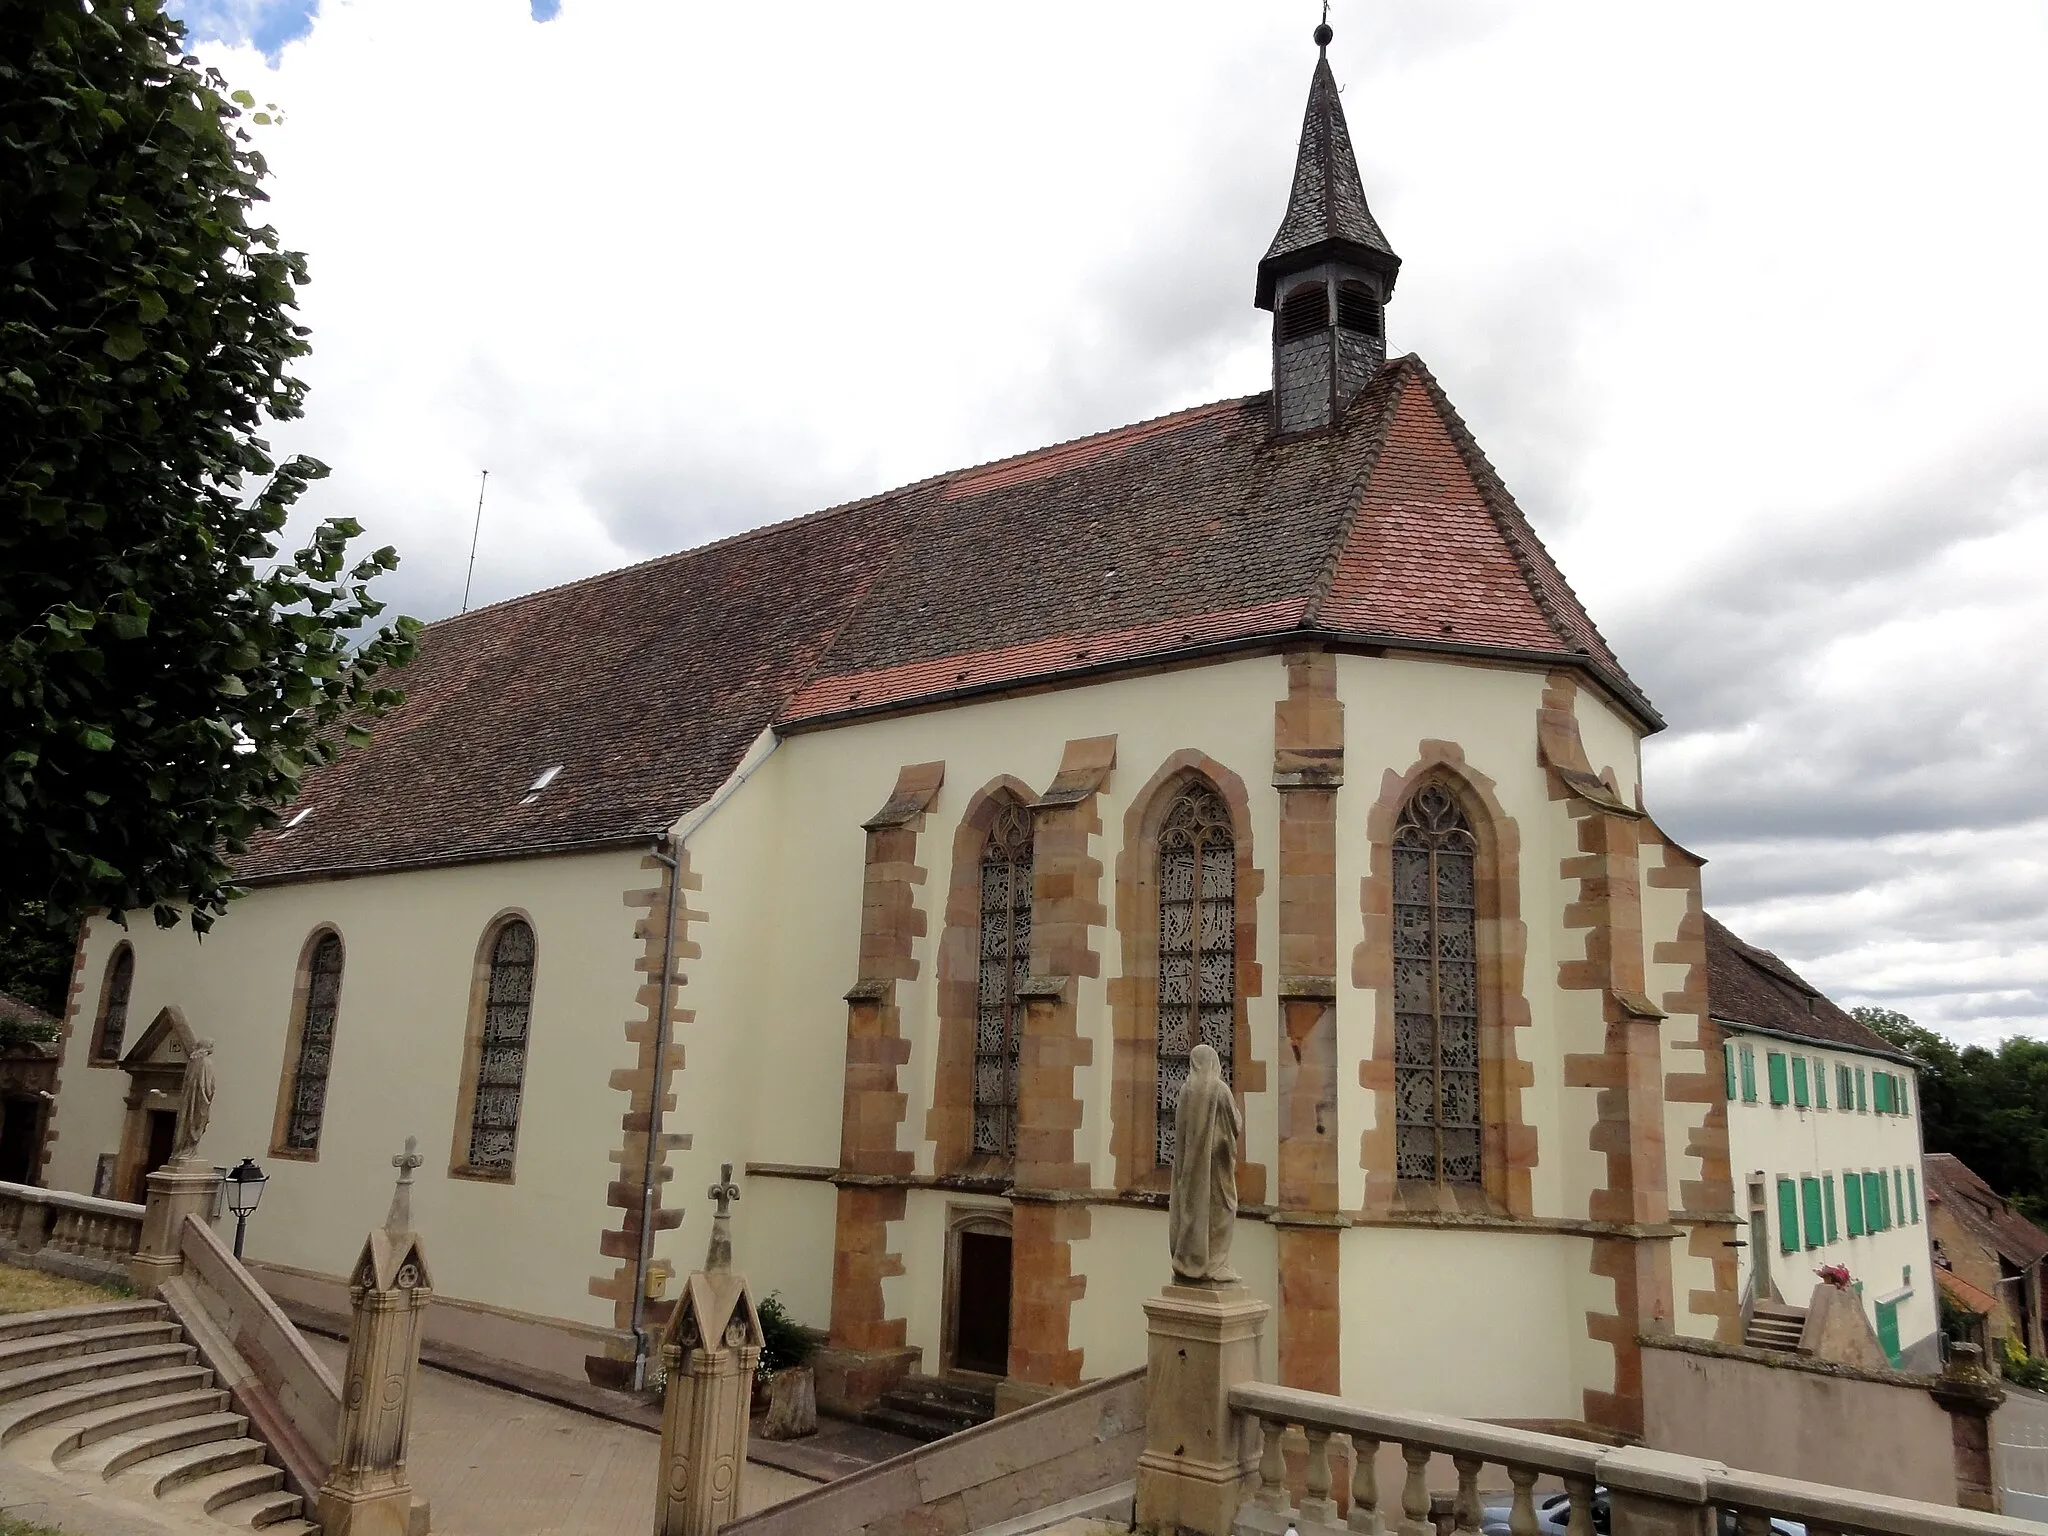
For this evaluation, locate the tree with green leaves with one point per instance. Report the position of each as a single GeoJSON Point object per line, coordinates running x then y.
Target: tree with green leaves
{"type": "Point", "coordinates": [165, 679]}
{"type": "Point", "coordinates": [1988, 1106]}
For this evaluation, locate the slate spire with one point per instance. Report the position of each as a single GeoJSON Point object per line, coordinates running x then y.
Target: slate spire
{"type": "Point", "coordinates": [1328, 273]}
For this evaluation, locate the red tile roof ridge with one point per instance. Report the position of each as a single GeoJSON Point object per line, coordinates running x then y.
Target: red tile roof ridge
{"type": "Point", "coordinates": [961, 482]}
{"type": "Point", "coordinates": [1521, 537]}
{"type": "Point", "coordinates": [1390, 381]}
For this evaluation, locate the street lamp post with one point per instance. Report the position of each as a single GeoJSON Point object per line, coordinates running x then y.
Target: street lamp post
{"type": "Point", "coordinates": [245, 1184]}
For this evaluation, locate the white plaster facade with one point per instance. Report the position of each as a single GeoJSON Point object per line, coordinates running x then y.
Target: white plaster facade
{"type": "Point", "coordinates": [1487, 1319]}
{"type": "Point", "coordinates": [1813, 1143]}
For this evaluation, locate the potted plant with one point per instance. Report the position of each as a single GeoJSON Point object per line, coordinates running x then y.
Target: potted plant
{"type": "Point", "coordinates": [783, 1376]}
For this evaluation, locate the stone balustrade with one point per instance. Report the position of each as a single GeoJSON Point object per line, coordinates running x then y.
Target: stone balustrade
{"type": "Point", "coordinates": [1649, 1493]}
{"type": "Point", "coordinates": [76, 1235]}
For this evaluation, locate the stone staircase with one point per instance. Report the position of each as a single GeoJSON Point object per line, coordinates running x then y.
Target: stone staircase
{"type": "Point", "coordinates": [116, 1394]}
{"type": "Point", "coordinates": [1773, 1325]}
{"type": "Point", "coordinates": [926, 1408]}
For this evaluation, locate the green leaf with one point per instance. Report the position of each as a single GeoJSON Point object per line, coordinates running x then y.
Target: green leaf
{"type": "Point", "coordinates": [150, 307]}
{"type": "Point", "coordinates": [124, 342]}
{"type": "Point", "coordinates": [93, 739]}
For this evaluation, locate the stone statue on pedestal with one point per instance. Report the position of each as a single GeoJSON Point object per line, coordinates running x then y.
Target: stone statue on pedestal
{"type": "Point", "coordinates": [1201, 1211]}
{"type": "Point", "coordinates": [195, 1109]}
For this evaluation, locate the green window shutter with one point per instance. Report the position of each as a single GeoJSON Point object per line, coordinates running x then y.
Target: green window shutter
{"type": "Point", "coordinates": [1873, 1203]}
{"type": "Point", "coordinates": [1827, 1185]}
{"type": "Point", "coordinates": [1899, 1194]}
{"type": "Point", "coordinates": [1852, 1203]}
{"type": "Point", "coordinates": [1809, 1200]}
{"type": "Point", "coordinates": [1913, 1195]}
{"type": "Point", "coordinates": [1728, 1061]}
{"type": "Point", "coordinates": [1820, 1083]}
{"type": "Point", "coordinates": [1748, 1075]}
{"type": "Point", "coordinates": [1888, 1330]}
{"type": "Point", "coordinates": [1788, 1217]}
{"type": "Point", "coordinates": [1877, 1093]}
{"type": "Point", "coordinates": [1845, 1088]}
{"type": "Point", "coordinates": [1774, 1061]}
{"type": "Point", "coordinates": [1862, 1099]}
{"type": "Point", "coordinates": [1905, 1096]}
{"type": "Point", "coordinates": [1799, 1093]}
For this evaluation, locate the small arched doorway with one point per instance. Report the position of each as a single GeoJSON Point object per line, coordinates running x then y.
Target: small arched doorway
{"type": "Point", "coordinates": [976, 1338]}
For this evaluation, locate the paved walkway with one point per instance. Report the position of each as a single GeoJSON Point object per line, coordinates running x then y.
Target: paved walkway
{"type": "Point", "coordinates": [496, 1463]}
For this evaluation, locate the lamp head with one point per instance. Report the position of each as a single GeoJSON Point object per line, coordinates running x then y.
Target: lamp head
{"type": "Point", "coordinates": [245, 1184]}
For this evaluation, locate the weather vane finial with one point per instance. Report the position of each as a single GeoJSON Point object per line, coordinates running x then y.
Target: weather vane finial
{"type": "Point", "coordinates": [1323, 32]}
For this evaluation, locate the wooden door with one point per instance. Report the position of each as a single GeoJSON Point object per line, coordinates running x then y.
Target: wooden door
{"type": "Point", "coordinates": [981, 1327]}
{"type": "Point", "coordinates": [18, 1140]}
{"type": "Point", "coordinates": [163, 1136]}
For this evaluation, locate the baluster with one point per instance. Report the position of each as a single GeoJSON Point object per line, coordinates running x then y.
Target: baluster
{"type": "Point", "coordinates": [1581, 1491]}
{"type": "Point", "coordinates": [1522, 1513]}
{"type": "Point", "coordinates": [1415, 1492]}
{"type": "Point", "coordinates": [1365, 1486]}
{"type": "Point", "coordinates": [1272, 1465]}
{"type": "Point", "coordinates": [1466, 1508]}
{"type": "Point", "coordinates": [1317, 1507]}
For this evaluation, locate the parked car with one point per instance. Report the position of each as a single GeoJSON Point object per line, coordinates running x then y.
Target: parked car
{"type": "Point", "coordinates": [1554, 1514]}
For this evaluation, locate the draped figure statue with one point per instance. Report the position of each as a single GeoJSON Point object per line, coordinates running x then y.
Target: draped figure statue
{"type": "Point", "coordinates": [195, 1109]}
{"type": "Point", "coordinates": [1201, 1211]}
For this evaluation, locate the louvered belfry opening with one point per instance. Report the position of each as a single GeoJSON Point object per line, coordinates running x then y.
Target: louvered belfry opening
{"type": "Point", "coordinates": [1359, 310]}
{"type": "Point", "coordinates": [1305, 311]}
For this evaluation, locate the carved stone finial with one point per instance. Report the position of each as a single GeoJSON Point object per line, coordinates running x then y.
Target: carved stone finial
{"type": "Point", "coordinates": [400, 1219]}
{"type": "Point", "coordinates": [726, 1194]}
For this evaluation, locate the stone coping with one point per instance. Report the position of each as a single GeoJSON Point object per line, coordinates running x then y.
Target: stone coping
{"type": "Point", "coordinates": [1685, 1344]}
{"type": "Point", "coordinates": [65, 1200]}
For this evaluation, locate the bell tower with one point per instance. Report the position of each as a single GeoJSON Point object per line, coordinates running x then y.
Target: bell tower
{"type": "Point", "coordinates": [1329, 272]}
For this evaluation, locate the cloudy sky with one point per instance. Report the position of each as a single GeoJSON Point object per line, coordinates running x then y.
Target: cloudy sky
{"type": "Point", "coordinates": [1745, 299]}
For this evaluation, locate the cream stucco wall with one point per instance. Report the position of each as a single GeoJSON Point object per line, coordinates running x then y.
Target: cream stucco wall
{"type": "Point", "coordinates": [773, 947]}
{"type": "Point", "coordinates": [410, 944]}
{"type": "Point", "coordinates": [1784, 1141]}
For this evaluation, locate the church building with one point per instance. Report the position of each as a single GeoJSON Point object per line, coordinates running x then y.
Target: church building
{"type": "Point", "coordinates": [900, 854]}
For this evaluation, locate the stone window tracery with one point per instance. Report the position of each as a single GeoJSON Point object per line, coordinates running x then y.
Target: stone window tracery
{"type": "Point", "coordinates": [308, 1105]}
{"type": "Point", "coordinates": [1436, 992]}
{"type": "Point", "coordinates": [501, 1055]}
{"type": "Point", "coordinates": [1003, 965]}
{"type": "Point", "coordinates": [1197, 945]}
{"type": "Point", "coordinates": [113, 1024]}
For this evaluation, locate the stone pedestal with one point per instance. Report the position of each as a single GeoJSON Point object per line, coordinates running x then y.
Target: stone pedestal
{"type": "Point", "coordinates": [176, 1190]}
{"type": "Point", "coordinates": [1970, 1397]}
{"type": "Point", "coordinates": [1198, 1464]}
{"type": "Point", "coordinates": [367, 1492]}
{"type": "Point", "coordinates": [712, 1348]}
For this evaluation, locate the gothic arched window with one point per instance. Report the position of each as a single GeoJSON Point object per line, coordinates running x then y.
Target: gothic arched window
{"type": "Point", "coordinates": [321, 994]}
{"type": "Point", "coordinates": [113, 1020]}
{"type": "Point", "coordinates": [1436, 992]}
{"type": "Point", "coordinates": [500, 1070]}
{"type": "Point", "coordinates": [1004, 963]}
{"type": "Point", "coordinates": [1197, 944]}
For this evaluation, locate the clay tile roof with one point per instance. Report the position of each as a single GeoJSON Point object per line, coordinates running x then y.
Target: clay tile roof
{"type": "Point", "coordinates": [1197, 531]}
{"type": "Point", "coordinates": [1326, 208]}
{"type": "Point", "coordinates": [1747, 985]}
{"type": "Point", "coordinates": [1964, 1294]}
{"type": "Point", "coordinates": [1954, 1185]}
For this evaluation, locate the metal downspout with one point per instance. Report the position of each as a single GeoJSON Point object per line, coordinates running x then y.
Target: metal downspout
{"type": "Point", "coordinates": [664, 1007]}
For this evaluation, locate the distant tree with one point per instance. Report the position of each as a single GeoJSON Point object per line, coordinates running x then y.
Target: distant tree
{"type": "Point", "coordinates": [1987, 1106]}
{"type": "Point", "coordinates": [35, 962]}
{"type": "Point", "coordinates": [164, 680]}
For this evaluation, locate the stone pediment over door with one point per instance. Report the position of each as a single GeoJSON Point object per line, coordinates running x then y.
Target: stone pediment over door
{"type": "Point", "coordinates": [166, 1044]}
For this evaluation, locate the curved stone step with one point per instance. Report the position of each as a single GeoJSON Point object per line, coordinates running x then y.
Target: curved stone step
{"type": "Point", "coordinates": [37, 1348]}
{"type": "Point", "coordinates": [174, 1470]}
{"type": "Point", "coordinates": [34, 1380]}
{"type": "Point", "coordinates": [265, 1512]}
{"type": "Point", "coordinates": [116, 1454]}
{"type": "Point", "coordinates": [22, 1325]}
{"type": "Point", "coordinates": [48, 1407]}
{"type": "Point", "coordinates": [139, 1413]}
{"type": "Point", "coordinates": [218, 1490]}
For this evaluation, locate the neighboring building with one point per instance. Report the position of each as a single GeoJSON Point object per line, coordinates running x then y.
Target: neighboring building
{"type": "Point", "coordinates": [1824, 1141]}
{"type": "Point", "coordinates": [1990, 1256]}
{"type": "Point", "coordinates": [28, 1074]}
{"type": "Point", "coordinates": [964, 811]}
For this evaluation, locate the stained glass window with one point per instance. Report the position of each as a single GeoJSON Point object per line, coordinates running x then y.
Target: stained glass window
{"type": "Point", "coordinates": [316, 1045]}
{"type": "Point", "coordinates": [1436, 993]}
{"type": "Point", "coordinates": [1197, 944]}
{"type": "Point", "coordinates": [1005, 962]}
{"type": "Point", "coordinates": [114, 1004]}
{"type": "Point", "coordinates": [501, 1059]}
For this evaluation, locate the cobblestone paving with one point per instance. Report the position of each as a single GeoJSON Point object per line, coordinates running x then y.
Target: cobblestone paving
{"type": "Point", "coordinates": [499, 1464]}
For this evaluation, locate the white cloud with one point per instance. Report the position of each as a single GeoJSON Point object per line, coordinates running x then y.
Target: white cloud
{"type": "Point", "coordinates": [1742, 298]}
